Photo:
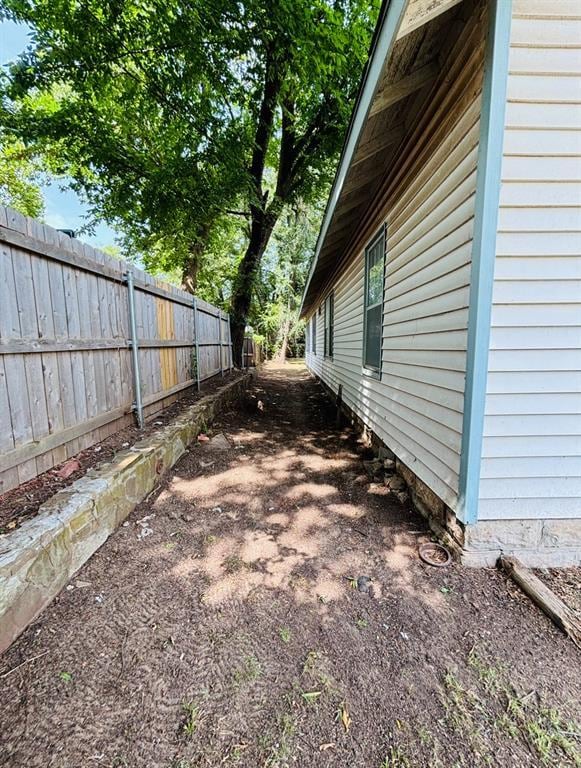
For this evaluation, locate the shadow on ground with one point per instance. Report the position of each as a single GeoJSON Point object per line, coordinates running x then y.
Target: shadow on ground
{"type": "Point", "coordinates": [221, 625]}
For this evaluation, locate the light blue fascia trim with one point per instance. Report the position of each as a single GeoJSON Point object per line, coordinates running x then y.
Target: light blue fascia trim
{"type": "Point", "coordinates": [385, 42]}
{"type": "Point", "coordinates": [487, 200]}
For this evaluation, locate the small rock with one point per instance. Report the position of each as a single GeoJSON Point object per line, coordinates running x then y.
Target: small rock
{"type": "Point", "coordinates": [125, 445]}
{"type": "Point", "coordinates": [67, 469]}
{"type": "Point", "coordinates": [396, 483]}
{"type": "Point", "coordinates": [402, 497]}
{"type": "Point", "coordinates": [389, 465]}
{"type": "Point", "coordinates": [219, 443]}
{"type": "Point", "coordinates": [404, 635]}
{"type": "Point", "coordinates": [363, 584]}
{"type": "Point", "coordinates": [187, 518]}
{"type": "Point", "coordinates": [70, 587]}
{"type": "Point", "coordinates": [218, 510]}
{"type": "Point", "coordinates": [373, 467]}
{"type": "Point", "coordinates": [158, 423]}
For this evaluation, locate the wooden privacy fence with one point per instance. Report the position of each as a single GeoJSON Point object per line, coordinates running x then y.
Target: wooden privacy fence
{"type": "Point", "coordinates": [86, 341]}
{"type": "Point", "coordinates": [251, 352]}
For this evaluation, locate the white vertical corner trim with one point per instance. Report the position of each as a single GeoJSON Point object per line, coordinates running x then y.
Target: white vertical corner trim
{"type": "Point", "coordinates": [483, 253]}
{"type": "Point", "coordinates": [385, 41]}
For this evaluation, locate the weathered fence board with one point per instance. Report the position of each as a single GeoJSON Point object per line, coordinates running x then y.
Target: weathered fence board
{"type": "Point", "coordinates": [66, 375]}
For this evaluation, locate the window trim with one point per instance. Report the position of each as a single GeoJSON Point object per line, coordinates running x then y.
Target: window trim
{"type": "Point", "coordinates": [371, 370]}
{"type": "Point", "coordinates": [330, 328]}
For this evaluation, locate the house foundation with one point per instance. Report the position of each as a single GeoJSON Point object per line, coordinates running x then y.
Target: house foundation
{"type": "Point", "coordinates": [550, 543]}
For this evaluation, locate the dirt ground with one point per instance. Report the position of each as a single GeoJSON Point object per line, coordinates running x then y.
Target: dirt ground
{"type": "Point", "coordinates": [234, 634]}
{"type": "Point", "coordinates": [19, 504]}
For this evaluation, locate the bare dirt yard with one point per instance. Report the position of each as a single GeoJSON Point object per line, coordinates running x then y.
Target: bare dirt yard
{"type": "Point", "coordinates": [223, 625]}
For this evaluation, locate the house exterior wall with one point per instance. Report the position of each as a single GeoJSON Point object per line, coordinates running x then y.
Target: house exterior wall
{"type": "Point", "coordinates": [416, 406]}
{"type": "Point", "coordinates": [531, 460]}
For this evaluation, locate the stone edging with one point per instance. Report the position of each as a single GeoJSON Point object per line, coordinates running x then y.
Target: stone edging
{"type": "Point", "coordinates": [38, 559]}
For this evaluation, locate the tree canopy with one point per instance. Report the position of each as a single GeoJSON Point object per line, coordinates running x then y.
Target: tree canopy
{"type": "Point", "coordinates": [20, 176]}
{"type": "Point", "coordinates": [188, 126]}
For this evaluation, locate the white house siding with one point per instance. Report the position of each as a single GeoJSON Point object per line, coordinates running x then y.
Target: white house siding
{"type": "Point", "coordinates": [531, 466]}
{"type": "Point", "coordinates": [416, 407]}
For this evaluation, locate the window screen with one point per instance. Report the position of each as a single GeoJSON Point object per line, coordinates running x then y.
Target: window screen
{"type": "Point", "coordinates": [374, 277]}
{"type": "Point", "coordinates": [329, 324]}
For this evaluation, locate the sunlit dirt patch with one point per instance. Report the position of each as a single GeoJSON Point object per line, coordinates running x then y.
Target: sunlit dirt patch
{"type": "Point", "coordinates": [236, 632]}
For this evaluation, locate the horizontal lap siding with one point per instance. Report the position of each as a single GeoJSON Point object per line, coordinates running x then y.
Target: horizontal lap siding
{"type": "Point", "coordinates": [416, 407]}
{"type": "Point", "coordinates": [531, 465]}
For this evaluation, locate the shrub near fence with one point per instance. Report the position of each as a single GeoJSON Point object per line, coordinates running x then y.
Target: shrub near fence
{"type": "Point", "coordinates": [67, 374]}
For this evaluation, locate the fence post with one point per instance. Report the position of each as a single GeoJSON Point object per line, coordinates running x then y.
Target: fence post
{"type": "Point", "coordinates": [196, 346]}
{"type": "Point", "coordinates": [138, 403]}
{"type": "Point", "coordinates": [231, 358]}
{"type": "Point", "coordinates": [221, 347]}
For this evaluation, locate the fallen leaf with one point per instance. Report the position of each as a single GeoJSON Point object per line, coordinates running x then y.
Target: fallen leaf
{"type": "Point", "coordinates": [345, 717]}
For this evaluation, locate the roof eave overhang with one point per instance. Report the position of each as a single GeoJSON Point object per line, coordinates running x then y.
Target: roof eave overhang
{"type": "Point", "coordinates": [390, 19]}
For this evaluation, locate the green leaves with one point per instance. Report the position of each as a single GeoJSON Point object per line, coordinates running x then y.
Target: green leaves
{"type": "Point", "coordinates": [20, 176]}
{"type": "Point", "coordinates": [152, 108]}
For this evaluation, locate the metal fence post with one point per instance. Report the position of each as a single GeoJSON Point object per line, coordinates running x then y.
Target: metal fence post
{"type": "Point", "coordinates": [138, 402]}
{"type": "Point", "coordinates": [221, 347]}
{"type": "Point", "coordinates": [231, 358]}
{"type": "Point", "coordinates": [196, 346]}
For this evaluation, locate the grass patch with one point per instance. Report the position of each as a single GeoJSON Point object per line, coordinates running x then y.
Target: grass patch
{"type": "Point", "coordinates": [494, 712]}
{"type": "Point", "coordinates": [285, 634]}
{"type": "Point", "coordinates": [280, 749]}
{"type": "Point", "coordinates": [396, 758]}
{"type": "Point", "coordinates": [233, 564]}
{"type": "Point", "coordinates": [191, 719]}
{"type": "Point", "coordinates": [249, 671]}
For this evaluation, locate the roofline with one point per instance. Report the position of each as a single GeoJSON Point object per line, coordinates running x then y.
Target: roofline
{"type": "Point", "coordinates": [390, 17]}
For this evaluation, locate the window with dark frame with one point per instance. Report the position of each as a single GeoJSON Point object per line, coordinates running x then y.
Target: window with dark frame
{"type": "Point", "coordinates": [329, 324]}
{"type": "Point", "coordinates": [373, 311]}
{"type": "Point", "coordinates": [314, 334]}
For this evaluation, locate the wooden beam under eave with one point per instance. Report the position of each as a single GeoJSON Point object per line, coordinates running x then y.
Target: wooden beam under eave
{"type": "Point", "coordinates": [377, 145]}
{"type": "Point", "coordinates": [407, 85]}
{"type": "Point", "coordinates": [420, 12]}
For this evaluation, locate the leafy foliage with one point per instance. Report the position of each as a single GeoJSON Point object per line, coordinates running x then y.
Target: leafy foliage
{"type": "Point", "coordinates": [275, 311]}
{"type": "Point", "coordinates": [20, 176]}
{"type": "Point", "coordinates": [190, 127]}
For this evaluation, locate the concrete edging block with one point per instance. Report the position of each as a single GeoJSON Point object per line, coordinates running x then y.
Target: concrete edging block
{"type": "Point", "coordinates": [38, 559]}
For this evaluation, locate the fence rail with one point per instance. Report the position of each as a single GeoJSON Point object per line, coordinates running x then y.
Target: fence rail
{"type": "Point", "coordinates": [72, 351]}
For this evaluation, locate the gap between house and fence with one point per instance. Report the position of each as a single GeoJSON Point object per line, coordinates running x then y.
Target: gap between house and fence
{"type": "Point", "coordinates": [87, 342]}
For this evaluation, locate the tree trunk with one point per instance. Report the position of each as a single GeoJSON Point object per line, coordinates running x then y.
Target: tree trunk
{"type": "Point", "coordinates": [192, 264]}
{"type": "Point", "coordinates": [281, 356]}
{"type": "Point", "coordinates": [260, 232]}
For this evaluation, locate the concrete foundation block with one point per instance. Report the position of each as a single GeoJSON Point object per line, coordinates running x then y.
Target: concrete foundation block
{"type": "Point", "coordinates": [503, 535]}
{"type": "Point", "coordinates": [561, 533]}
